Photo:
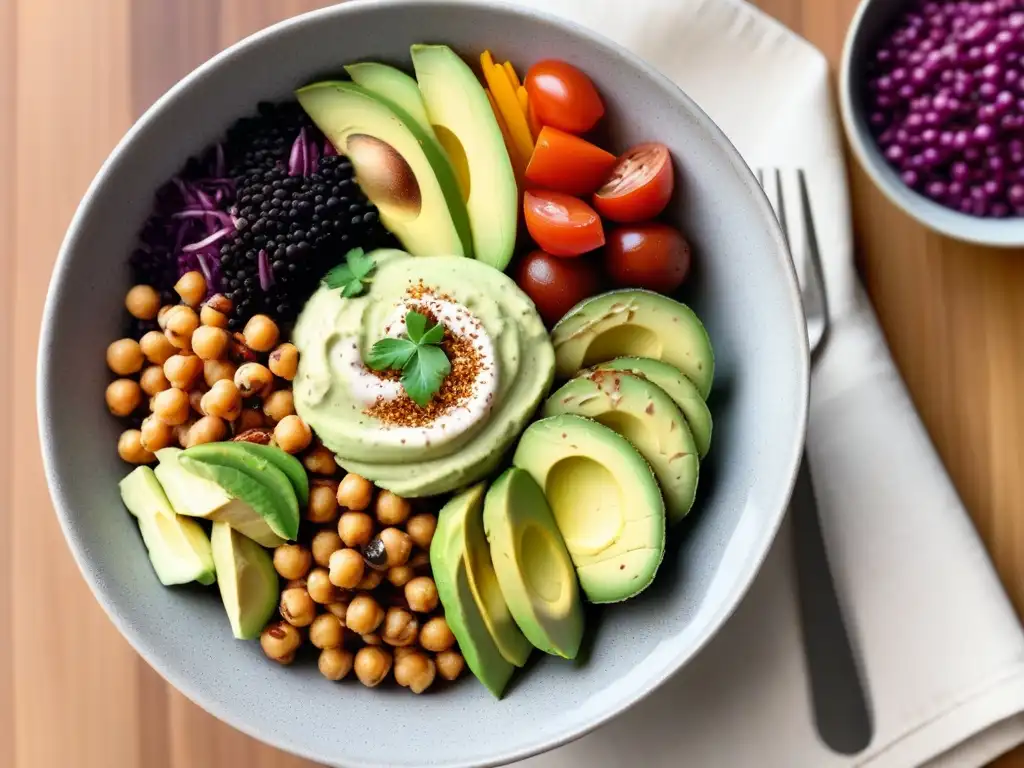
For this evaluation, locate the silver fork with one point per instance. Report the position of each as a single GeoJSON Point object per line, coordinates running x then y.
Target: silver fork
{"type": "Point", "coordinates": [842, 716]}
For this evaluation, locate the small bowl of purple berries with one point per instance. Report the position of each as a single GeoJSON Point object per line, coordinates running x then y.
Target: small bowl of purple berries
{"type": "Point", "coordinates": [932, 98]}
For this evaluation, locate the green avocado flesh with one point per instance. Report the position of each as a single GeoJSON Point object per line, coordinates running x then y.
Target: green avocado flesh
{"type": "Point", "coordinates": [605, 500]}
{"type": "Point", "coordinates": [288, 464]}
{"type": "Point", "coordinates": [637, 323]}
{"type": "Point", "coordinates": [643, 414]}
{"type": "Point", "coordinates": [257, 480]}
{"type": "Point", "coordinates": [682, 391]}
{"type": "Point", "coordinates": [247, 579]}
{"type": "Point", "coordinates": [178, 547]}
{"type": "Point", "coordinates": [392, 84]}
{"type": "Point", "coordinates": [400, 168]}
{"type": "Point", "coordinates": [533, 566]}
{"type": "Point", "coordinates": [464, 122]}
{"type": "Point", "coordinates": [488, 637]}
{"type": "Point", "coordinates": [195, 495]}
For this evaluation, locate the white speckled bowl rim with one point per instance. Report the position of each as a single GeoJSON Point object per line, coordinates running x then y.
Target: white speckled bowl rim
{"type": "Point", "coordinates": [612, 700]}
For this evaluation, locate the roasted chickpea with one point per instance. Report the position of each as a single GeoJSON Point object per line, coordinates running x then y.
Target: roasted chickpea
{"type": "Point", "coordinates": [340, 609]}
{"type": "Point", "coordinates": [251, 418]}
{"type": "Point", "coordinates": [123, 396]}
{"type": "Point", "coordinates": [318, 584]}
{"type": "Point", "coordinates": [295, 583]}
{"type": "Point", "coordinates": [278, 405]}
{"type": "Point", "coordinates": [195, 399]}
{"type": "Point", "coordinates": [124, 357]}
{"type": "Point", "coordinates": [400, 627]}
{"type": "Point", "coordinates": [372, 664]}
{"type": "Point", "coordinates": [325, 543]}
{"type": "Point", "coordinates": [400, 651]}
{"type": "Point", "coordinates": [415, 671]}
{"type": "Point", "coordinates": [373, 638]}
{"type": "Point", "coordinates": [223, 400]}
{"type": "Point", "coordinates": [292, 434]}
{"type": "Point", "coordinates": [323, 504]}
{"type": "Point", "coordinates": [364, 615]}
{"type": "Point", "coordinates": [209, 429]}
{"type": "Point", "coordinates": [397, 544]}
{"type": "Point", "coordinates": [449, 664]}
{"type": "Point", "coordinates": [335, 663]}
{"type": "Point", "coordinates": [218, 370]}
{"type": "Point", "coordinates": [181, 431]}
{"type": "Point", "coordinates": [392, 509]}
{"type": "Point", "coordinates": [421, 593]}
{"type": "Point", "coordinates": [171, 406]}
{"type": "Point", "coordinates": [260, 333]}
{"type": "Point", "coordinates": [209, 343]}
{"type": "Point", "coordinates": [279, 641]}
{"type": "Point", "coordinates": [400, 575]}
{"type": "Point", "coordinates": [297, 607]}
{"type": "Point", "coordinates": [419, 560]}
{"type": "Point", "coordinates": [191, 287]}
{"type": "Point", "coordinates": [181, 324]}
{"type": "Point", "coordinates": [346, 568]}
{"type": "Point", "coordinates": [142, 301]}
{"type": "Point", "coordinates": [156, 347]}
{"type": "Point", "coordinates": [130, 449]}
{"type": "Point", "coordinates": [421, 529]}
{"type": "Point", "coordinates": [355, 492]}
{"type": "Point", "coordinates": [371, 580]}
{"type": "Point", "coordinates": [212, 318]}
{"type": "Point", "coordinates": [292, 561]}
{"type": "Point", "coordinates": [326, 631]}
{"type": "Point", "coordinates": [254, 380]}
{"type": "Point", "coordinates": [436, 636]}
{"type": "Point", "coordinates": [182, 370]}
{"type": "Point", "coordinates": [320, 461]}
{"type": "Point", "coordinates": [355, 528]}
{"type": "Point", "coordinates": [156, 434]}
{"type": "Point", "coordinates": [161, 316]}
{"type": "Point", "coordinates": [284, 361]}
{"type": "Point", "coordinates": [152, 380]}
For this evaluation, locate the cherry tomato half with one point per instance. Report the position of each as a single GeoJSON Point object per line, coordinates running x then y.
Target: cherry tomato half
{"type": "Point", "coordinates": [561, 224]}
{"type": "Point", "coordinates": [639, 186]}
{"type": "Point", "coordinates": [557, 285]}
{"type": "Point", "coordinates": [567, 163]}
{"type": "Point", "coordinates": [563, 97]}
{"type": "Point", "coordinates": [652, 255]}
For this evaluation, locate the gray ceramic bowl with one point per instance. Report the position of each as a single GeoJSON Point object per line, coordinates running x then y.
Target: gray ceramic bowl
{"type": "Point", "coordinates": [869, 23]}
{"type": "Point", "coordinates": [743, 286]}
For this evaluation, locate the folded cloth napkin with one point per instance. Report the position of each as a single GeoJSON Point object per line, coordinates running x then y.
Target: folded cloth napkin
{"type": "Point", "coordinates": [939, 648]}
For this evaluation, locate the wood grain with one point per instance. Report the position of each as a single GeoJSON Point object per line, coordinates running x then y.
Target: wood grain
{"type": "Point", "coordinates": [73, 76]}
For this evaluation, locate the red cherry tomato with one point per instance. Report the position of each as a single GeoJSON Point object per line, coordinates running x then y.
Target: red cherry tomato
{"type": "Point", "coordinates": [639, 186]}
{"type": "Point", "coordinates": [652, 255]}
{"type": "Point", "coordinates": [557, 285]}
{"type": "Point", "coordinates": [563, 97]}
{"type": "Point", "coordinates": [567, 163]}
{"type": "Point", "coordinates": [561, 224]}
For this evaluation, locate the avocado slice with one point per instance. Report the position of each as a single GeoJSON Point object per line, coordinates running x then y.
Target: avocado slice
{"type": "Point", "coordinates": [638, 323]}
{"type": "Point", "coordinates": [467, 586]}
{"type": "Point", "coordinates": [643, 414]}
{"type": "Point", "coordinates": [605, 500]}
{"type": "Point", "coordinates": [195, 496]}
{"type": "Point", "coordinates": [288, 464]}
{"type": "Point", "coordinates": [465, 125]}
{"type": "Point", "coordinates": [533, 566]}
{"type": "Point", "coordinates": [395, 86]}
{"type": "Point", "coordinates": [258, 482]}
{"type": "Point", "coordinates": [247, 579]}
{"type": "Point", "coordinates": [178, 547]}
{"type": "Point", "coordinates": [683, 391]}
{"type": "Point", "coordinates": [401, 169]}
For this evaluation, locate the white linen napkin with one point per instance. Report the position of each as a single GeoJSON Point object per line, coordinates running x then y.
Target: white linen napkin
{"type": "Point", "coordinates": [939, 647]}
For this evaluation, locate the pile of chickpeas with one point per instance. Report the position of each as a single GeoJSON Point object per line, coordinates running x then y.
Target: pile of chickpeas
{"type": "Point", "coordinates": [359, 588]}
{"type": "Point", "coordinates": [195, 381]}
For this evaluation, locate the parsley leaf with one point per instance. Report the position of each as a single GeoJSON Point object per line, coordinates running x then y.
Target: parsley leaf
{"type": "Point", "coordinates": [352, 274]}
{"type": "Point", "coordinates": [424, 364]}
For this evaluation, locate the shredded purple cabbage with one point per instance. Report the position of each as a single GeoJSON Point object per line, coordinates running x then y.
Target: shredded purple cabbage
{"type": "Point", "coordinates": [266, 273]}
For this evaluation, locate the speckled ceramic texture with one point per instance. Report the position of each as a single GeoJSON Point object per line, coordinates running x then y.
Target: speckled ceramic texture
{"type": "Point", "coordinates": [742, 286]}
{"type": "Point", "coordinates": [869, 23]}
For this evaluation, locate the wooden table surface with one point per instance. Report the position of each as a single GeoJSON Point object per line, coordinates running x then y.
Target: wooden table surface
{"type": "Point", "coordinates": [74, 74]}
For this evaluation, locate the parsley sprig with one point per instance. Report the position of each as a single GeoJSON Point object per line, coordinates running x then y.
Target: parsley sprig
{"type": "Point", "coordinates": [352, 275]}
{"type": "Point", "coordinates": [424, 365]}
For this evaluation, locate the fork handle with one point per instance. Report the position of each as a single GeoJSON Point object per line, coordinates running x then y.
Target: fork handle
{"type": "Point", "coordinates": [913, 579]}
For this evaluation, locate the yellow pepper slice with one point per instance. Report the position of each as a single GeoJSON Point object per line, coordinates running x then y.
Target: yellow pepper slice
{"type": "Point", "coordinates": [508, 103]}
{"type": "Point", "coordinates": [512, 76]}
{"type": "Point", "coordinates": [524, 102]}
{"type": "Point", "coordinates": [517, 163]}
